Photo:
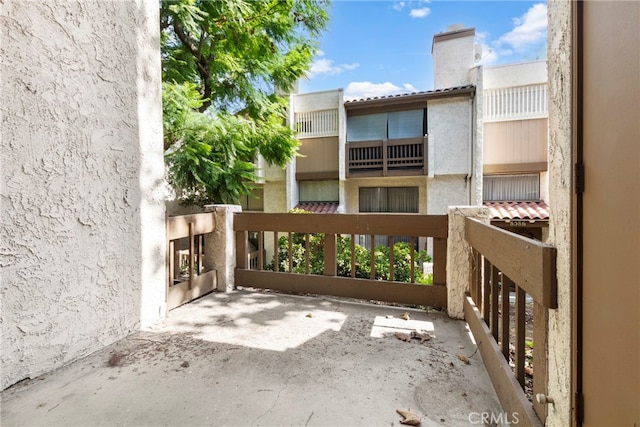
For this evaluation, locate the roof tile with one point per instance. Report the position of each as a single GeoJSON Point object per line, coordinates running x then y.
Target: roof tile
{"type": "Point", "coordinates": [518, 210]}
{"type": "Point", "coordinates": [319, 207]}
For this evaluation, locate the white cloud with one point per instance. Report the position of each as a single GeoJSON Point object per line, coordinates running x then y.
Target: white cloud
{"type": "Point", "coordinates": [528, 31]}
{"type": "Point", "coordinates": [359, 90]}
{"type": "Point", "coordinates": [324, 66]}
{"type": "Point", "coordinates": [420, 13]}
{"type": "Point", "coordinates": [399, 5]}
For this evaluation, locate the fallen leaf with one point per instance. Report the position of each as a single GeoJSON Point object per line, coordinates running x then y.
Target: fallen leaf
{"type": "Point", "coordinates": [309, 314]}
{"type": "Point", "coordinates": [402, 336]}
{"type": "Point", "coordinates": [422, 336]}
{"type": "Point", "coordinates": [528, 370]}
{"type": "Point", "coordinates": [185, 364]}
{"type": "Point", "coordinates": [464, 358]}
{"type": "Point", "coordinates": [409, 418]}
{"type": "Point", "coordinates": [406, 316]}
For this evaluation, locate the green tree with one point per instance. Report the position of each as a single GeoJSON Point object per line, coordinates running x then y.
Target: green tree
{"type": "Point", "coordinates": [223, 63]}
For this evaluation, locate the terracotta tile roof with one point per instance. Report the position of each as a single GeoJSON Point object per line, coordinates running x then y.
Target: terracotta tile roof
{"type": "Point", "coordinates": [536, 211]}
{"type": "Point", "coordinates": [319, 207]}
{"type": "Point", "coordinates": [427, 94]}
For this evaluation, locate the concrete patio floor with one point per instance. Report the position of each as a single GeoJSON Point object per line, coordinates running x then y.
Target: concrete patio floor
{"type": "Point", "coordinates": [254, 359]}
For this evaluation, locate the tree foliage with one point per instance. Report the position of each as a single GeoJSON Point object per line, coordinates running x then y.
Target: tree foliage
{"type": "Point", "coordinates": [223, 62]}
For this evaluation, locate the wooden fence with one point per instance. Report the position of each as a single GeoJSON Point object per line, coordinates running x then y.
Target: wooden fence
{"type": "Point", "coordinates": [186, 275]}
{"type": "Point", "coordinates": [349, 226]}
{"type": "Point", "coordinates": [505, 263]}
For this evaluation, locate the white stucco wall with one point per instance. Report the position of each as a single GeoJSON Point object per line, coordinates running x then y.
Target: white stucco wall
{"type": "Point", "coordinates": [82, 238]}
{"type": "Point", "coordinates": [314, 101]}
{"type": "Point", "coordinates": [520, 74]}
{"type": "Point", "coordinates": [560, 184]}
{"type": "Point", "coordinates": [452, 60]}
{"type": "Point", "coordinates": [445, 191]}
{"type": "Point", "coordinates": [449, 124]}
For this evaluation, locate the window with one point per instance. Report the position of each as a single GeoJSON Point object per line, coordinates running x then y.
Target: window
{"type": "Point", "coordinates": [513, 188]}
{"type": "Point", "coordinates": [393, 125]}
{"type": "Point", "coordinates": [319, 191]}
{"type": "Point", "coordinates": [387, 199]}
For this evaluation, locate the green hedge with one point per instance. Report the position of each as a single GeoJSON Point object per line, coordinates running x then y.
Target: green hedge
{"type": "Point", "coordinates": [401, 259]}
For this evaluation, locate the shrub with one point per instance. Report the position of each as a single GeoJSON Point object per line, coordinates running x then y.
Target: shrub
{"type": "Point", "coordinates": [401, 258]}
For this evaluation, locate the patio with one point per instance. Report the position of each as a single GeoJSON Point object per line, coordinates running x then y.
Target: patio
{"type": "Point", "coordinates": [261, 358]}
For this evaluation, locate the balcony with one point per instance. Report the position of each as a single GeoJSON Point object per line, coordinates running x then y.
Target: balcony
{"type": "Point", "coordinates": [396, 157]}
{"type": "Point", "coordinates": [249, 357]}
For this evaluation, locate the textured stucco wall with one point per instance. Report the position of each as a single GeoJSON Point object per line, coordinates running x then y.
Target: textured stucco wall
{"type": "Point", "coordinates": [560, 184]}
{"type": "Point", "coordinates": [82, 246]}
{"type": "Point", "coordinates": [452, 60]}
{"type": "Point", "coordinates": [315, 101]}
{"type": "Point", "coordinates": [445, 191]}
{"type": "Point", "coordinates": [458, 256]}
{"type": "Point", "coordinates": [449, 124]}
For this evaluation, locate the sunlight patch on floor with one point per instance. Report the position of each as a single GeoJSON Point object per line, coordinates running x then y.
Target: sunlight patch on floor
{"type": "Point", "coordinates": [384, 325]}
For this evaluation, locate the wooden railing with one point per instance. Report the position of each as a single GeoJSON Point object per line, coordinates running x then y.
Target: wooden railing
{"type": "Point", "coordinates": [328, 228]}
{"type": "Point", "coordinates": [387, 157]}
{"type": "Point", "coordinates": [186, 275]}
{"type": "Point", "coordinates": [505, 264]}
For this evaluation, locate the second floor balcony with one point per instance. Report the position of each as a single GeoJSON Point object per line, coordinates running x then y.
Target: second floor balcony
{"type": "Point", "coordinates": [387, 157]}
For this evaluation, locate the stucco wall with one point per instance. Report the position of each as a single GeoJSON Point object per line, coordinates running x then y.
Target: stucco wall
{"type": "Point", "coordinates": [520, 74]}
{"type": "Point", "coordinates": [82, 245]}
{"type": "Point", "coordinates": [452, 60]}
{"type": "Point", "coordinates": [560, 161]}
{"type": "Point", "coordinates": [449, 123]}
{"type": "Point", "coordinates": [315, 101]}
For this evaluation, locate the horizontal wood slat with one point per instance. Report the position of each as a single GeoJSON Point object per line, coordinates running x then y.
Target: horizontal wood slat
{"type": "Point", "coordinates": [511, 396]}
{"type": "Point", "coordinates": [365, 224]}
{"type": "Point", "coordinates": [180, 293]}
{"type": "Point", "coordinates": [403, 293]}
{"type": "Point", "coordinates": [529, 263]}
{"type": "Point", "coordinates": [178, 226]}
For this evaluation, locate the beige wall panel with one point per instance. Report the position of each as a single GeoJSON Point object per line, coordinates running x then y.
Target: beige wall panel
{"type": "Point", "coordinates": [516, 141]}
{"type": "Point", "coordinates": [320, 155]}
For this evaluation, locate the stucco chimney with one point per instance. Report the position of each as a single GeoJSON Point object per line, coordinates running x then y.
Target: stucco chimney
{"type": "Point", "coordinates": [452, 53]}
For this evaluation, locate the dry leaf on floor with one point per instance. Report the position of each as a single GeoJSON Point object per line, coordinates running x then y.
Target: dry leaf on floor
{"type": "Point", "coordinates": [402, 336]}
{"type": "Point", "coordinates": [528, 370]}
{"type": "Point", "coordinates": [464, 358]}
{"type": "Point", "coordinates": [409, 418]}
{"type": "Point", "coordinates": [310, 315]}
{"type": "Point", "coordinates": [422, 336]}
{"type": "Point", "coordinates": [406, 316]}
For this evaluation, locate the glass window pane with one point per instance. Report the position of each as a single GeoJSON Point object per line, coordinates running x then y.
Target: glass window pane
{"type": "Point", "coordinates": [406, 124]}
{"type": "Point", "coordinates": [368, 127]}
{"type": "Point", "coordinates": [515, 188]}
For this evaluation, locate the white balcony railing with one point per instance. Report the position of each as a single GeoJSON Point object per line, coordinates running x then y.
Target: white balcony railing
{"type": "Point", "coordinates": [516, 103]}
{"type": "Point", "coordinates": [315, 124]}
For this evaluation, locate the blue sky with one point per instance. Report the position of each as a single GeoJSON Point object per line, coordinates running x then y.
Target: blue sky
{"type": "Point", "coordinates": [378, 48]}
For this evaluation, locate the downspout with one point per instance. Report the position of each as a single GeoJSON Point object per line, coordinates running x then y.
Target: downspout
{"type": "Point", "coordinates": [470, 159]}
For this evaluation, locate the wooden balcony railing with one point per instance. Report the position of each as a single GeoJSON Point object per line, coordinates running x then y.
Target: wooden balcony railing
{"type": "Point", "coordinates": [387, 157]}
{"type": "Point", "coordinates": [512, 288]}
{"type": "Point", "coordinates": [323, 235]}
{"type": "Point", "coordinates": [186, 275]}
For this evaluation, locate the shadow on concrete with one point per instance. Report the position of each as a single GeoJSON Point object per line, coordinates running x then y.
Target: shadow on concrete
{"type": "Point", "coordinates": [252, 359]}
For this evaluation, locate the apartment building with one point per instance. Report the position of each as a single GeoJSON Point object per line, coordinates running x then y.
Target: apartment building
{"type": "Point", "coordinates": [515, 147]}
{"type": "Point", "coordinates": [414, 153]}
